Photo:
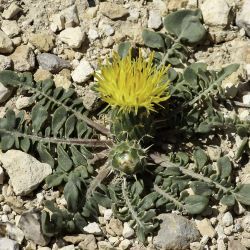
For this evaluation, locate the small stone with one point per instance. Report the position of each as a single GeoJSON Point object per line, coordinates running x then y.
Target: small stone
{"type": "Point", "coordinates": [82, 72]}
{"type": "Point", "coordinates": [92, 11]}
{"type": "Point", "coordinates": [10, 28]}
{"type": "Point", "coordinates": [93, 228]}
{"type": "Point", "coordinates": [205, 228]}
{"type": "Point", "coordinates": [12, 231]}
{"type": "Point", "coordinates": [227, 219]}
{"type": "Point", "coordinates": [5, 62]}
{"type": "Point", "coordinates": [6, 45]}
{"type": "Point", "coordinates": [73, 37]}
{"type": "Point", "coordinates": [175, 5]}
{"type": "Point", "coordinates": [238, 208]}
{"type": "Point", "coordinates": [246, 223]}
{"type": "Point", "coordinates": [11, 11]}
{"type": "Point", "coordinates": [69, 247]}
{"type": "Point", "coordinates": [116, 226]}
{"type": "Point", "coordinates": [196, 246]}
{"type": "Point", "coordinates": [134, 14]}
{"type": "Point", "coordinates": [106, 29]}
{"type": "Point", "coordinates": [107, 42]}
{"type": "Point", "coordinates": [62, 81]}
{"type": "Point", "coordinates": [8, 244]}
{"type": "Point", "coordinates": [23, 58]}
{"type": "Point", "coordinates": [214, 152]}
{"type": "Point", "coordinates": [71, 16]}
{"type": "Point", "coordinates": [176, 232]}
{"type": "Point", "coordinates": [216, 12]}
{"type": "Point", "coordinates": [89, 242]}
{"type": "Point", "coordinates": [220, 232]}
{"type": "Point", "coordinates": [23, 102]}
{"type": "Point", "coordinates": [52, 62]}
{"type": "Point", "coordinates": [16, 41]}
{"type": "Point", "coordinates": [6, 209]}
{"type": "Point", "coordinates": [235, 245]}
{"type": "Point", "coordinates": [154, 20]}
{"type": "Point", "coordinates": [127, 232]}
{"type": "Point", "coordinates": [75, 239]}
{"type": "Point", "coordinates": [228, 230]}
{"type": "Point", "coordinates": [125, 244]}
{"type": "Point", "coordinates": [90, 98]}
{"type": "Point", "coordinates": [107, 214]}
{"type": "Point", "coordinates": [4, 93]}
{"type": "Point", "coordinates": [114, 240]}
{"type": "Point", "coordinates": [1, 176]}
{"type": "Point", "coordinates": [4, 218]}
{"type": "Point", "coordinates": [242, 17]}
{"type": "Point", "coordinates": [42, 74]}
{"type": "Point", "coordinates": [104, 245]}
{"type": "Point", "coordinates": [246, 99]}
{"type": "Point", "coordinates": [221, 245]}
{"type": "Point", "coordinates": [43, 248]}
{"type": "Point", "coordinates": [93, 34]}
{"type": "Point", "coordinates": [245, 242]}
{"type": "Point", "coordinates": [58, 23]}
{"type": "Point", "coordinates": [30, 225]}
{"type": "Point", "coordinates": [25, 172]}
{"type": "Point", "coordinates": [112, 10]}
{"type": "Point", "coordinates": [43, 41]}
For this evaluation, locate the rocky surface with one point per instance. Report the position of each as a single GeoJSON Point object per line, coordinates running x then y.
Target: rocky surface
{"type": "Point", "coordinates": [64, 40]}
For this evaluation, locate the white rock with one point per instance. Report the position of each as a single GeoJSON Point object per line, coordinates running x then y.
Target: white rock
{"type": "Point", "coordinates": [6, 209]}
{"type": "Point", "coordinates": [93, 34]}
{"type": "Point", "coordinates": [205, 228]}
{"type": "Point", "coordinates": [227, 219]}
{"type": "Point", "coordinates": [216, 12]}
{"type": "Point", "coordinates": [82, 72]}
{"type": "Point", "coordinates": [246, 223]}
{"type": "Point", "coordinates": [154, 20]}
{"type": "Point", "coordinates": [106, 29]}
{"type": "Point", "coordinates": [4, 93]}
{"type": "Point", "coordinates": [25, 172]}
{"type": "Point", "coordinates": [6, 45]}
{"type": "Point", "coordinates": [4, 218]}
{"type": "Point", "coordinates": [93, 228]}
{"type": "Point", "coordinates": [8, 244]}
{"type": "Point", "coordinates": [10, 28]}
{"type": "Point", "coordinates": [14, 232]}
{"type": "Point", "coordinates": [246, 99]}
{"type": "Point", "coordinates": [1, 176]}
{"type": "Point", "coordinates": [243, 18]}
{"type": "Point", "coordinates": [108, 214]}
{"type": "Point", "coordinates": [23, 102]}
{"type": "Point", "coordinates": [69, 247]}
{"type": "Point", "coordinates": [125, 244]}
{"type": "Point", "coordinates": [71, 16]}
{"type": "Point", "coordinates": [5, 62]}
{"type": "Point", "coordinates": [127, 232]}
{"type": "Point", "coordinates": [73, 37]}
{"type": "Point", "coordinates": [58, 23]}
{"type": "Point", "coordinates": [11, 11]}
{"type": "Point", "coordinates": [221, 245]}
{"type": "Point", "coordinates": [134, 14]}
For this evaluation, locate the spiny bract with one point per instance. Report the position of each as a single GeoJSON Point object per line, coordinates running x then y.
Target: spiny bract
{"type": "Point", "coordinates": [129, 83]}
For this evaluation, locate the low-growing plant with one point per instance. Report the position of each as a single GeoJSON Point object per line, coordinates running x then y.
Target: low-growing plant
{"type": "Point", "coordinates": [149, 103]}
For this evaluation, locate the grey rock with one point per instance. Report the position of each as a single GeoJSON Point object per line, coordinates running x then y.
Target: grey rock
{"type": "Point", "coordinates": [11, 11]}
{"type": "Point", "coordinates": [25, 172]}
{"type": "Point", "coordinates": [154, 20]}
{"type": "Point", "coordinates": [52, 62]}
{"type": "Point", "coordinates": [4, 93]}
{"type": "Point", "coordinates": [243, 18]}
{"type": "Point", "coordinates": [116, 226]}
{"type": "Point", "coordinates": [175, 233]}
{"type": "Point", "coordinates": [6, 45]}
{"type": "Point", "coordinates": [73, 37]}
{"type": "Point", "coordinates": [30, 225]}
{"type": "Point", "coordinates": [71, 16]}
{"type": "Point", "coordinates": [235, 245]}
{"type": "Point", "coordinates": [10, 28]}
{"type": "Point", "coordinates": [23, 58]}
{"type": "Point", "coordinates": [8, 244]}
{"type": "Point", "coordinates": [5, 62]}
{"type": "Point", "coordinates": [216, 13]}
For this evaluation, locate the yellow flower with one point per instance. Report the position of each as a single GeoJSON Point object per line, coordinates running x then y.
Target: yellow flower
{"type": "Point", "coordinates": [129, 84]}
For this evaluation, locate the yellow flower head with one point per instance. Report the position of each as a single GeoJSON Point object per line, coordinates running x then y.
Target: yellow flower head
{"type": "Point", "coordinates": [129, 83]}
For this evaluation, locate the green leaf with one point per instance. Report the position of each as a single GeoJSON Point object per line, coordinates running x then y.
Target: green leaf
{"type": "Point", "coordinates": [243, 194]}
{"type": "Point", "coordinates": [204, 128]}
{"type": "Point", "coordinates": [25, 144]}
{"type": "Point", "coordinates": [201, 188]}
{"type": "Point", "coordinates": [7, 142]}
{"type": "Point", "coordinates": [59, 118]}
{"type": "Point", "coordinates": [153, 40]}
{"type": "Point", "coordinates": [45, 156]}
{"type": "Point", "coordinates": [242, 147]}
{"type": "Point", "coordinates": [70, 125]}
{"type": "Point", "coordinates": [64, 160]}
{"type": "Point", "coordinates": [185, 25]}
{"type": "Point", "coordinates": [123, 49]}
{"type": "Point", "coordinates": [54, 180]}
{"type": "Point", "coordinates": [196, 204]}
{"type": "Point", "coordinates": [200, 158]}
{"type": "Point", "coordinates": [77, 157]}
{"type": "Point", "coordinates": [228, 200]}
{"type": "Point", "coordinates": [38, 115]}
{"type": "Point", "coordinates": [224, 167]}
{"type": "Point", "coordinates": [190, 76]}
{"type": "Point", "coordinates": [9, 78]}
